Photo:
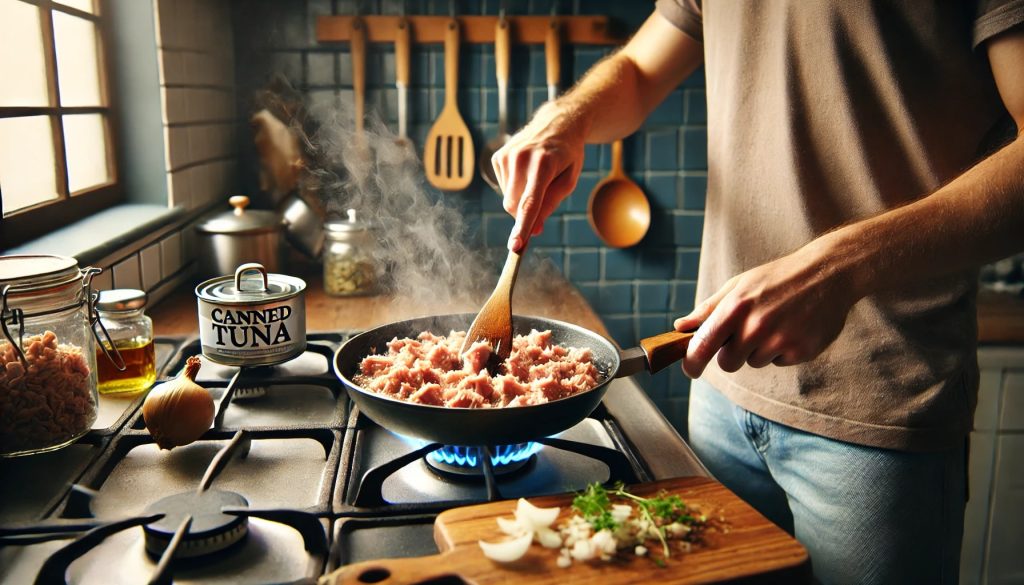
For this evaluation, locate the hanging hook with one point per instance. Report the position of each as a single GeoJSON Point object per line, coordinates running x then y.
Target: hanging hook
{"type": "Point", "coordinates": [554, 8]}
{"type": "Point", "coordinates": [502, 10]}
{"type": "Point", "coordinates": [402, 8]}
{"type": "Point", "coordinates": [451, 8]}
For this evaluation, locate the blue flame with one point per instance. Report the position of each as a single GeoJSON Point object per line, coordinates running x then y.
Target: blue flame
{"type": "Point", "coordinates": [469, 456]}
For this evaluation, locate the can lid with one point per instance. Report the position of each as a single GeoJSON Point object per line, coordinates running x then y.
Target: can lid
{"type": "Point", "coordinates": [349, 225]}
{"type": "Point", "coordinates": [241, 221]}
{"type": "Point", "coordinates": [34, 270]}
{"type": "Point", "coordinates": [243, 288]}
{"type": "Point", "coordinates": [121, 300]}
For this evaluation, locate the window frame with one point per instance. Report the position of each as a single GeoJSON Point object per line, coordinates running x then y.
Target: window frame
{"type": "Point", "coordinates": [37, 220]}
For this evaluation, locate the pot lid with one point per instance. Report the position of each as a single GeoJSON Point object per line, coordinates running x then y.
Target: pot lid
{"type": "Point", "coordinates": [251, 283]}
{"type": "Point", "coordinates": [351, 224]}
{"type": "Point", "coordinates": [241, 221]}
{"type": "Point", "coordinates": [121, 300]}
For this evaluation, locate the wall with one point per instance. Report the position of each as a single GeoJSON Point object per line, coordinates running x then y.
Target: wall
{"type": "Point", "coordinates": [638, 291]}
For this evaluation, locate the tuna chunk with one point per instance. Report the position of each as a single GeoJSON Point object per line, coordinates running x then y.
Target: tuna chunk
{"type": "Point", "coordinates": [430, 370]}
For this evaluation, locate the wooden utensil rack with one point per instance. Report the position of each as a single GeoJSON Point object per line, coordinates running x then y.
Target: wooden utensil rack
{"type": "Point", "coordinates": [526, 30]}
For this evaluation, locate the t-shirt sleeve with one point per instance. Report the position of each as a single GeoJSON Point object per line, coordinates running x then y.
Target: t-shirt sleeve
{"type": "Point", "coordinates": [993, 17]}
{"type": "Point", "coordinates": [685, 15]}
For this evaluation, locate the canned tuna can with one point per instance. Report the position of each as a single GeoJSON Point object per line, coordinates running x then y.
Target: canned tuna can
{"type": "Point", "coordinates": [245, 321]}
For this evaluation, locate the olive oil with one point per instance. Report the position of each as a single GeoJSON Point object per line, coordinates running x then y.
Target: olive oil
{"type": "Point", "coordinates": [139, 357]}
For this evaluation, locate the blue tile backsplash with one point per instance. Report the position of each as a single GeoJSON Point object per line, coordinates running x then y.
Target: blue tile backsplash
{"type": "Point", "coordinates": [638, 291]}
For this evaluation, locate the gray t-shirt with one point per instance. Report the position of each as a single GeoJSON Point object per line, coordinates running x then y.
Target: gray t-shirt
{"type": "Point", "coordinates": [822, 113]}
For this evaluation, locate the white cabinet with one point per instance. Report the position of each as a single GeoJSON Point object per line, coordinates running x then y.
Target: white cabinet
{"type": "Point", "coordinates": [993, 546]}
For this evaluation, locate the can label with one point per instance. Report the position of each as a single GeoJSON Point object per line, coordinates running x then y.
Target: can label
{"type": "Point", "coordinates": [253, 334]}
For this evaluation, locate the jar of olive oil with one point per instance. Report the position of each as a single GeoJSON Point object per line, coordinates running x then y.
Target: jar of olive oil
{"type": "Point", "coordinates": [131, 332]}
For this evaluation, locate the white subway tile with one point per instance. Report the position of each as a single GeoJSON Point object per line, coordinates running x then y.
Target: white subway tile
{"type": "Point", "coordinates": [172, 67]}
{"type": "Point", "coordinates": [175, 105]}
{"type": "Point", "coordinates": [178, 146]}
{"type": "Point", "coordinates": [1013, 401]}
{"type": "Point", "coordinates": [167, 22]}
{"type": "Point", "coordinates": [126, 273]}
{"type": "Point", "coordinates": [149, 260]}
{"type": "Point", "coordinates": [170, 254]}
{"type": "Point", "coordinates": [179, 188]}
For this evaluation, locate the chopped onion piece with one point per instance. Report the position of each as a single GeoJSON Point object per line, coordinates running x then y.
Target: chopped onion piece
{"type": "Point", "coordinates": [512, 527]}
{"type": "Point", "coordinates": [534, 517]}
{"type": "Point", "coordinates": [564, 561]}
{"type": "Point", "coordinates": [621, 512]}
{"type": "Point", "coordinates": [583, 550]}
{"type": "Point", "coordinates": [548, 538]}
{"type": "Point", "coordinates": [507, 551]}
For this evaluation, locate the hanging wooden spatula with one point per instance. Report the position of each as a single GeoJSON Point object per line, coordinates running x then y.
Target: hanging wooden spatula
{"type": "Point", "coordinates": [448, 156]}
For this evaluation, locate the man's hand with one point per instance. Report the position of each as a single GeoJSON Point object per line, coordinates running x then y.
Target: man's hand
{"type": "Point", "coordinates": [784, 312]}
{"type": "Point", "coordinates": [538, 168]}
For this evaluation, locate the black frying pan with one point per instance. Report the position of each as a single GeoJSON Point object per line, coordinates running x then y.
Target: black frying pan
{"type": "Point", "coordinates": [497, 426]}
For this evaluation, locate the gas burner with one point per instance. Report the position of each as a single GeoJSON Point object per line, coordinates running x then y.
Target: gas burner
{"type": "Point", "coordinates": [211, 530]}
{"type": "Point", "coordinates": [457, 461]}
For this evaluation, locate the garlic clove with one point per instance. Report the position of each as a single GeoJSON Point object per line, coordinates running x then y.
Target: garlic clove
{"type": "Point", "coordinates": [179, 411]}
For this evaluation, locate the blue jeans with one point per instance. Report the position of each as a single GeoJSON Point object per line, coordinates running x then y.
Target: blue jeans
{"type": "Point", "coordinates": [865, 515]}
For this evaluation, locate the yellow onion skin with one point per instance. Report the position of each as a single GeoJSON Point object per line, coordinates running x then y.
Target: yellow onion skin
{"type": "Point", "coordinates": [178, 411]}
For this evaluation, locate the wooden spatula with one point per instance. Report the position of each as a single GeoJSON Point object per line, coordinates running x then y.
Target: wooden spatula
{"type": "Point", "coordinates": [448, 156]}
{"type": "Point", "coordinates": [493, 324]}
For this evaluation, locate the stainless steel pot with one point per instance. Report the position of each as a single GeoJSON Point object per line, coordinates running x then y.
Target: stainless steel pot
{"type": "Point", "coordinates": [252, 322]}
{"type": "Point", "coordinates": [239, 237]}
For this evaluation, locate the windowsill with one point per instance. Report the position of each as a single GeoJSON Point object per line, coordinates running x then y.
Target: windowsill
{"type": "Point", "coordinates": [98, 236]}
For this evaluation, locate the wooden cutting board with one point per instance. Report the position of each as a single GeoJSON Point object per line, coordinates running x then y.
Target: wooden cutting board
{"type": "Point", "coordinates": [752, 550]}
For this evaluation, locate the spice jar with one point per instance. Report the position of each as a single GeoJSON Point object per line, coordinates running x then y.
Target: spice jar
{"type": "Point", "coordinates": [131, 332]}
{"type": "Point", "coordinates": [349, 266]}
{"type": "Point", "coordinates": [47, 353]}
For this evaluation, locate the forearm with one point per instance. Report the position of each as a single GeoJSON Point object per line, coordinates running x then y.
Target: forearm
{"type": "Point", "coordinates": [974, 219]}
{"type": "Point", "coordinates": [612, 99]}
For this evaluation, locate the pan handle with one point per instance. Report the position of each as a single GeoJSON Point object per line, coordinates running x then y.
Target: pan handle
{"type": "Point", "coordinates": [665, 349]}
{"type": "Point", "coordinates": [654, 354]}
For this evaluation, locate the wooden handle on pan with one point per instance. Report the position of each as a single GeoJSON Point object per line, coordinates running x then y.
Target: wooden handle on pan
{"type": "Point", "coordinates": [451, 62]}
{"type": "Point", "coordinates": [665, 349]}
{"type": "Point", "coordinates": [502, 44]}
{"type": "Point", "coordinates": [359, 70]}
{"type": "Point", "coordinates": [551, 53]}
{"type": "Point", "coordinates": [402, 36]}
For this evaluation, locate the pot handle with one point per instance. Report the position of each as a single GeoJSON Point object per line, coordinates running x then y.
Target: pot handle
{"type": "Point", "coordinates": [665, 349]}
{"type": "Point", "coordinates": [249, 267]}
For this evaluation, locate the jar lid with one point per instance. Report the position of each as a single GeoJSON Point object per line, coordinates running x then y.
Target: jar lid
{"type": "Point", "coordinates": [241, 221]}
{"type": "Point", "coordinates": [240, 289]}
{"type": "Point", "coordinates": [121, 300]}
{"type": "Point", "coordinates": [347, 226]}
{"type": "Point", "coordinates": [37, 270]}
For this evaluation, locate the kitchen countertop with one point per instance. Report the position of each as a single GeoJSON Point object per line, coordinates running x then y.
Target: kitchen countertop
{"type": "Point", "coordinates": [545, 293]}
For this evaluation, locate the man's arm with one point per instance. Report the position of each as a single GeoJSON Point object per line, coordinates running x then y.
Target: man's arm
{"type": "Point", "coordinates": [539, 166]}
{"type": "Point", "coordinates": [789, 310]}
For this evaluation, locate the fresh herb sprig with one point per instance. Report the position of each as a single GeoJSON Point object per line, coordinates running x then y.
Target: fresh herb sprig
{"type": "Point", "coordinates": [595, 503]}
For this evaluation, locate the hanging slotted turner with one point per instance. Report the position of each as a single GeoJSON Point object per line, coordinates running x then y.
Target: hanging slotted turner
{"type": "Point", "coordinates": [448, 156]}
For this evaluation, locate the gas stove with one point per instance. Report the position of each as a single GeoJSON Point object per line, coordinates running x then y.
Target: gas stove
{"type": "Point", "coordinates": [291, 482]}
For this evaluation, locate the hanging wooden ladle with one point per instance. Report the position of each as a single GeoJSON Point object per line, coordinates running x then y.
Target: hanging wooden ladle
{"type": "Point", "coordinates": [618, 209]}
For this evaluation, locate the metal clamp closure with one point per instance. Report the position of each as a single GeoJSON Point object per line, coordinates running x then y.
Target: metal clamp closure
{"type": "Point", "coordinates": [16, 318]}
{"type": "Point", "coordinates": [94, 319]}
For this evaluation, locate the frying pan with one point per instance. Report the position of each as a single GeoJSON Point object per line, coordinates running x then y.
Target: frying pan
{"type": "Point", "coordinates": [497, 426]}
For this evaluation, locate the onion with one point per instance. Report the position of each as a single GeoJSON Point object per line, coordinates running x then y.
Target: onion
{"type": "Point", "coordinates": [178, 411]}
{"type": "Point", "coordinates": [512, 527]}
{"type": "Point", "coordinates": [548, 538]}
{"type": "Point", "coordinates": [529, 515]}
{"type": "Point", "coordinates": [507, 551]}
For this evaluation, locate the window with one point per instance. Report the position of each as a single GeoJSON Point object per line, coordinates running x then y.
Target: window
{"type": "Point", "coordinates": [56, 151]}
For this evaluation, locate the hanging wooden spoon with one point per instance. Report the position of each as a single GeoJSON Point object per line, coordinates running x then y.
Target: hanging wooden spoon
{"type": "Point", "coordinates": [402, 77]}
{"type": "Point", "coordinates": [502, 43]}
{"type": "Point", "coordinates": [448, 156]}
{"type": "Point", "coordinates": [618, 209]}
{"type": "Point", "coordinates": [358, 49]}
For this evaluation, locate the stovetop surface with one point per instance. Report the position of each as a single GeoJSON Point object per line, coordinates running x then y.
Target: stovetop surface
{"type": "Point", "coordinates": [299, 448]}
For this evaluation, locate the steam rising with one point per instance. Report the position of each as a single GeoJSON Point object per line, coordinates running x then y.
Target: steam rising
{"type": "Point", "coordinates": [422, 240]}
